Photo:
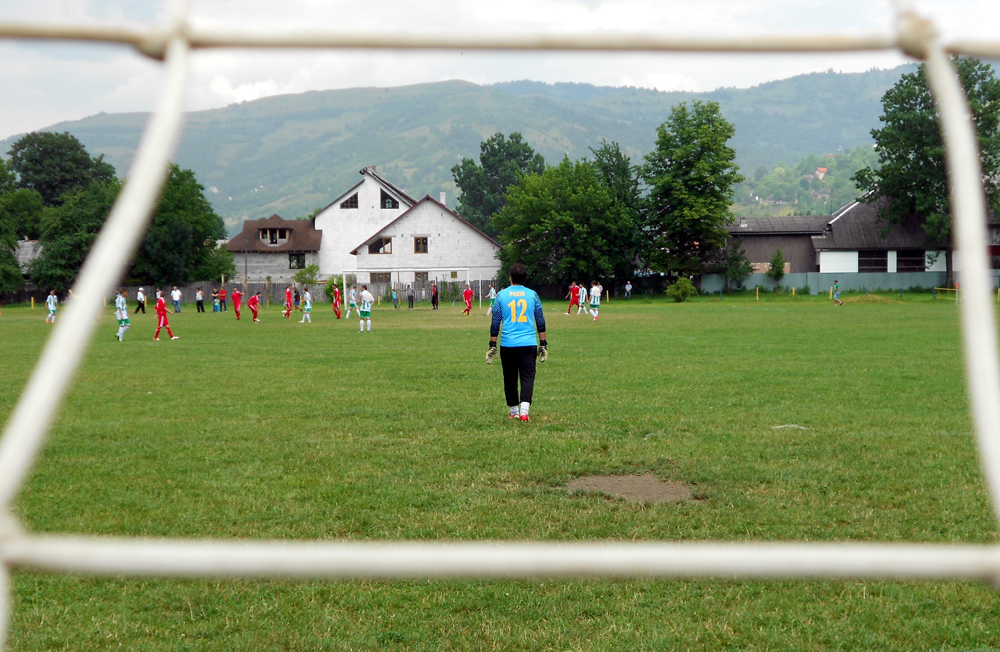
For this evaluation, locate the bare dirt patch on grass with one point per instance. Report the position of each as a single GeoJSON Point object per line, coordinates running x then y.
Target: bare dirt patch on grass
{"type": "Point", "coordinates": [639, 488]}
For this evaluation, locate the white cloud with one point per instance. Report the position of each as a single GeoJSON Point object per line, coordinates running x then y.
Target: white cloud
{"type": "Point", "coordinates": [53, 82]}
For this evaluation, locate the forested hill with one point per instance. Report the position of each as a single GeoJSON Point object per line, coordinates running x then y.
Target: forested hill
{"type": "Point", "coordinates": [290, 154]}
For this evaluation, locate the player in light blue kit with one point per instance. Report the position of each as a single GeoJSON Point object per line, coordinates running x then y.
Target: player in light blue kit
{"type": "Point", "coordinates": [518, 314]}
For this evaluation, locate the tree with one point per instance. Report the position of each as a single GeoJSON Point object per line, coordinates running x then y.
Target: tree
{"type": "Point", "coordinates": [483, 185]}
{"type": "Point", "coordinates": [180, 245]}
{"type": "Point", "coordinates": [11, 278]}
{"type": "Point", "coordinates": [55, 164]}
{"type": "Point", "coordinates": [776, 271]}
{"type": "Point", "coordinates": [307, 275]}
{"type": "Point", "coordinates": [68, 231]}
{"type": "Point", "coordinates": [690, 174]}
{"type": "Point", "coordinates": [911, 169]}
{"type": "Point", "coordinates": [564, 225]}
{"type": "Point", "coordinates": [732, 263]}
{"type": "Point", "coordinates": [23, 208]}
{"type": "Point", "coordinates": [8, 180]}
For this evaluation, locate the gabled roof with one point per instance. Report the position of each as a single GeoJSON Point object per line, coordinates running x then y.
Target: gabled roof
{"type": "Point", "coordinates": [857, 227]}
{"type": "Point", "coordinates": [788, 225]}
{"type": "Point", "coordinates": [370, 171]}
{"type": "Point", "coordinates": [426, 198]}
{"type": "Point", "coordinates": [302, 238]}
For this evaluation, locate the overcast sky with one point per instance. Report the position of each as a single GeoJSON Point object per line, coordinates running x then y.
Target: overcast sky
{"type": "Point", "coordinates": [45, 83]}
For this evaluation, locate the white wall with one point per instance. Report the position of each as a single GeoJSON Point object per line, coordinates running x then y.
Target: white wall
{"type": "Point", "coordinates": [838, 262]}
{"type": "Point", "coordinates": [344, 229]}
{"type": "Point", "coordinates": [891, 262]}
{"type": "Point", "coordinates": [940, 264]}
{"type": "Point", "coordinates": [451, 245]}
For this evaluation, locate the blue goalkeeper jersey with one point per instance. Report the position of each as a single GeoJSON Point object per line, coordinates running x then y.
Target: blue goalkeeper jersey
{"type": "Point", "coordinates": [518, 314]}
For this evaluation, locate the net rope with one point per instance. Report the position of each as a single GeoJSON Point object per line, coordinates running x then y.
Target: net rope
{"type": "Point", "coordinates": [174, 40]}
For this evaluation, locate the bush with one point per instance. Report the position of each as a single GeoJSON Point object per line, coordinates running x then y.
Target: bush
{"type": "Point", "coordinates": [777, 269]}
{"type": "Point", "coordinates": [306, 275]}
{"type": "Point", "coordinates": [682, 290]}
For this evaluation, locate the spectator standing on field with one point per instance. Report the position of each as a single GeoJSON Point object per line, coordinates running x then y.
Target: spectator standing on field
{"type": "Point", "coordinates": [409, 295]}
{"type": "Point", "coordinates": [628, 289]}
{"type": "Point", "coordinates": [836, 293]}
{"type": "Point", "coordinates": [199, 300]}
{"type": "Point", "coordinates": [222, 299]}
{"type": "Point", "coordinates": [434, 296]}
{"type": "Point", "coordinates": [215, 300]}
{"type": "Point", "coordinates": [519, 316]}
{"type": "Point", "coordinates": [140, 300]}
{"type": "Point", "coordinates": [395, 299]}
{"type": "Point", "coordinates": [175, 296]}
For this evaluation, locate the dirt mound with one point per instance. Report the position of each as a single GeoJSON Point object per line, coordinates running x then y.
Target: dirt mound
{"type": "Point", "coordinates": [870, 298]}
{"type": "Point", "coordinates": [640, 488]}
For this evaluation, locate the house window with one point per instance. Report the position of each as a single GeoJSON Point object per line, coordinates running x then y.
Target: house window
{"type": "Point", "coordinates": [296, 261]}
{"type": "Point", "coordinates": [910, 260]}
{"type": "Point", "coordinates": [380, 246]}
{"type": "Point", "coordinates": [381, 277]}
{"type": "Point", "coordinates": [350, 202]}
{"type": "Point", "coordinates": [873, 261]}
{"type": "Point", "coordinates": [387, 201]}
{"type": "Point", "coordinates": [420, 277]}
{"type": "Point", "coordinates": [420, 245]}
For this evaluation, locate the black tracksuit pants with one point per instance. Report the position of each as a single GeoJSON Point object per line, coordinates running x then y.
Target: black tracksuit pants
{"type": "Point", "coordinates": [518, 362]}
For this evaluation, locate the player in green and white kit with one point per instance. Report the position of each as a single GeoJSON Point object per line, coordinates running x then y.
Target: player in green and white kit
{"type": "Point", "coordinates": [121, 314]}
{"type": "Point", "coordinates": [307, 305]}
{"type": "Point", "coordinates": [366, 308]}
{"type": "Point", "coordinates": [493, 299]}
{"type": "Point", "coordinates": [352, 302]}
{"type": "Point", "coordinates": [595, 298]}
{"type": "Point", "coordinates": [52, 302]}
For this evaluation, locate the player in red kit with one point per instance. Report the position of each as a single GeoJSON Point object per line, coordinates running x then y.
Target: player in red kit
{"type": "Point", "coordinates": [336, 301]}
{"type": "Point", "coordinates": [161, 317]}
{"type": "Point", "coordinates": [467, 295]}
{"type": "Point", "coordinates": [574, 297]}
{"type": "Point", "coordinates": [288, 301]}
{"type": "Point", "coordinates": [237, 301]}
{"type": "Point", "coordinates": [254, 305]}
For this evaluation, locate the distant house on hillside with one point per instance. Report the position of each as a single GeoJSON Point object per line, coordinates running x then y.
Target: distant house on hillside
{"type": "Point", "coordinates": [425, 243]}
{"type": "Point", "coordinates": [275, 247]}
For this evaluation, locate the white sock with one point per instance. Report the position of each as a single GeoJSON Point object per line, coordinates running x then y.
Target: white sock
{"type": "Point", "coordinates": [524, 408]}
{"type": "Point", "coordinates": [513, 410]}
{"type": "Point", "coordinates": [121, 331]}
{"type": "Point", "coordinates": [369, 325]}
{"type": "Point", "coordinates": [362, 325]}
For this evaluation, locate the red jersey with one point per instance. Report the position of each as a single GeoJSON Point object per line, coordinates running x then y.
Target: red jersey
{"type": "Point", "coordinates": [574, 293]}
{"type": "Point", "coordinates": [222, 294]}
{"type": "Point", "coordinates": [288, 296]}
{"type": "Point", "coordinates": [467, 295]}
{"type": "Point", "coordinates": [253, 302]}
{"type": "Point", "coordinates": [237, 298]}
{"type": "Point", "coordinates": [161, 307]}
{"type": "Point", "coordinates": [336, 294]}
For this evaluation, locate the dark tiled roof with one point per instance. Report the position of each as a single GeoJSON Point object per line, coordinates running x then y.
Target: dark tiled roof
{"type": "Point", "coordinates": [303, 236]}
{"type": "Point", "coordinates": [792, 224]}
{"type": "Point", "coordinates": [856, 227]}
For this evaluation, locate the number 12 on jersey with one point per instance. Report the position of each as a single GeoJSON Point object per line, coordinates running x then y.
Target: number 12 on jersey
{"type": "Point", "coordinates": [523, 305]}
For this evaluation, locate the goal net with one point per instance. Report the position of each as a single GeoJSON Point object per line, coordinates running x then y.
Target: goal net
{"type": "Point", "coordinates": [172, 42]}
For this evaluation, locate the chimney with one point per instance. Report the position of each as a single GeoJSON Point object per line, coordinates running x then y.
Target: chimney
{"type": "Point", "coordinates": [743, 222]}
{"type": "Point", "coordinates": [443, 196]}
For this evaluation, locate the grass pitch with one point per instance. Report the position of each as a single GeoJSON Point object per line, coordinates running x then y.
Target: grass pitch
{"type": "Point", "coordinates": [288, 430]}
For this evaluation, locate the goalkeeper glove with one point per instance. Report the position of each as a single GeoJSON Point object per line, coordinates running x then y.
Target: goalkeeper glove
{"type": "Point", "coordinates": [491, 354]}
{"type": "Point", "coordinates": [543, 351]}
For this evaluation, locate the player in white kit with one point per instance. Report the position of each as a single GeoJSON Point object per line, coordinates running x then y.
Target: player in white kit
{"type": "Point", "coordinates": [121, 314]}
{"type": "Point", "coordinates": [366, 308]}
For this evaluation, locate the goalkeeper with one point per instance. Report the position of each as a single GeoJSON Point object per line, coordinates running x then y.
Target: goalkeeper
{"type": "Point", "coordinates": [518, 314]}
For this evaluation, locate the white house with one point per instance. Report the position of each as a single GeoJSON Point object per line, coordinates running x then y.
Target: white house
{"type": "Point", "coordinates": [428, 242]}
{"type": "Point", "coordinates": [355, 215]}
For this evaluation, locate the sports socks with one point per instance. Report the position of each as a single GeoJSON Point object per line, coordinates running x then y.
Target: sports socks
{"type": "Point", "coordinates": [524, 409]}
{"type": "Point", "coordinates": [369, 325]}
{"type": "Point", "coordinates": [361, 324]}
{"type": "Point", "coordinates": [306, 318]}
{"type": "Point", "coordinates": [513, 410]}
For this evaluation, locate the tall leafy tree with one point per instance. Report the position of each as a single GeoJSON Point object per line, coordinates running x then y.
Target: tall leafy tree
{"type": "Point", "coordinates": [68, 231]}
{"type": "Point", "coordinates": [911, 170]}
{"type": "Point", "coordinates": [55, 164]}
{"type": "Point", "coordinates": [23, 208]}
{"type": "Point", "coordinates": [180, 245]}
{"type": "Point", "coordinates": [621, 179]}
{"type": "Point", "coordinates": [564, 225]}
{"type": "Point", "coordinates": [11, 278]}
{"type": "Point", "coordinates": [690, 175]}
{"type": "Point", "coordinates": [8, 180]}
{"type": "Point", "coordinates": [483, 185]}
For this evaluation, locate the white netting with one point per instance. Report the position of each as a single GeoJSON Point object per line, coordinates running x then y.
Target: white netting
{"type": "Point", "coordinates": [37, 406]}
